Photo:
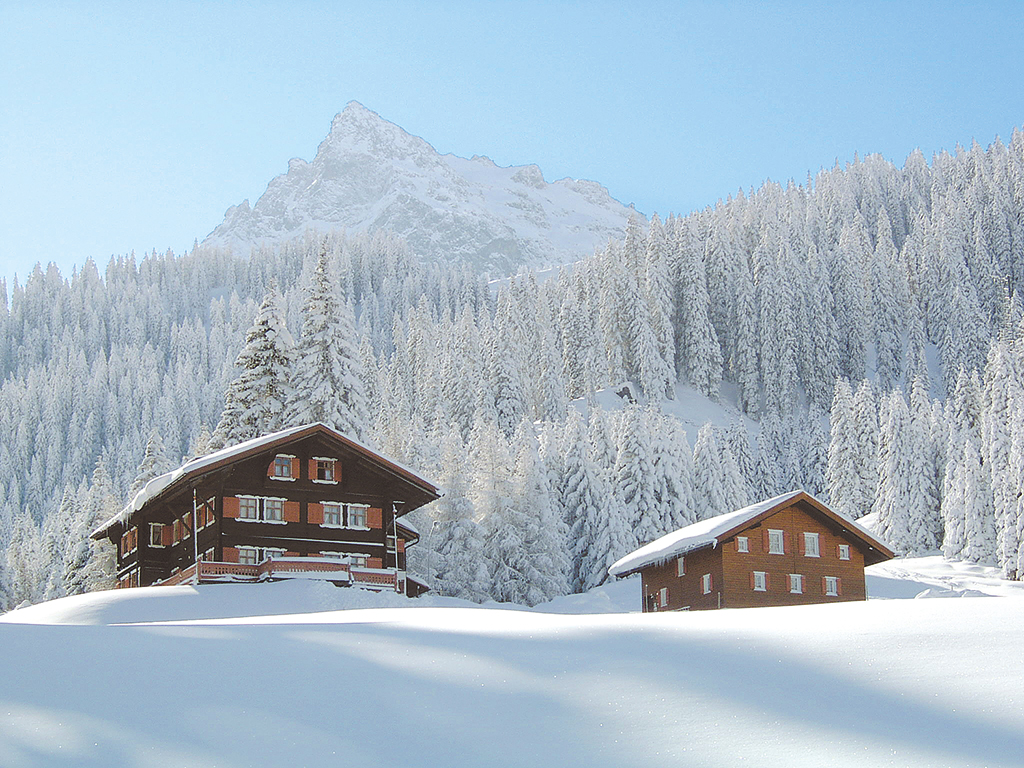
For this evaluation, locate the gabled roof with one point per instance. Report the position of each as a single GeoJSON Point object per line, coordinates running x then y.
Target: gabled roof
{"type": "Point", "coordinates": [715, 530]}
{"type": "Point", "coordinates": [212, 461]}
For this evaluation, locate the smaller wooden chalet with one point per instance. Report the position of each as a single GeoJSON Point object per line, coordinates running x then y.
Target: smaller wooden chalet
{"type": "Point", "coordinates": [306, 502]}
{"type": "Point", "coordinates": [790, 550]}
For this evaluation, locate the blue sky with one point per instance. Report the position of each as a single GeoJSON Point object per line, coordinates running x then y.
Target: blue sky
{"type": "Point", "coordinates": [133, 126]}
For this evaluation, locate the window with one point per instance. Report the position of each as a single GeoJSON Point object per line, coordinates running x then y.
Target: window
{"type": "Point", "coordinates": [776, 542]}
{"type": "Point", "coordinates": [831, 586]}
{"type": "Point", "coordinates": [130, 541]}
{"type": "Point", "coordinates": [663, 597]}
{"type": "Point", "coordinates": [705, 583]}
{"type": "Point", "coordinates": [325, 472]}
{"type": "Point", "coordinates": [338, 515]}
{"type": "Point", "coordinates": [283, 467]}
{"type": "Point", "coordinates": [177, 530]}
{"type": "Point", "coordinates": [796, 583]}
{"type": "Point", "coordinates": [742, 544]}
{"type": "Point", "coordinates": [267, 509]}
{"type": "Point", "coordinates": [273, 509]}
{"type": "Point", "coordinates": [680, 567]}
{"type": "Point", "coordinates": [156, 534]}
{"type": "Point", "coordinates": [256, 555]}
{"type": "Point", "coordinates": [759, 581]}
{"type": "Point", "coordinates": [186, 525]}
{"type": "Point", "coordinates": [204, 513]}
{"type": "Point", "coordinates": [208, 555]}
{"type": "Point", "coordinates": [359, 561]}
{"type": "Point", "coordinates": [844, 551]}
{"type": "Point", "coordinates": [811, 545]}
{"type": "Point", "coordinates": [357, 516]}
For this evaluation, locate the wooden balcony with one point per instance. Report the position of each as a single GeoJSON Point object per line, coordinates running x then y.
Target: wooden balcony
{"type": "Point", "coordinates": [275, 569]}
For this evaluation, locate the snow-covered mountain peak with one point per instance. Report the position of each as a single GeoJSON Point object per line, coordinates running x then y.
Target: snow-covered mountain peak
{"type": "Point", "coordinates": [369, 173]}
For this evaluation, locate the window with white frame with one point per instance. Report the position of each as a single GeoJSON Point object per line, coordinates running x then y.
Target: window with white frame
{"type": "Point", "coordinates": [811, 545]}
{"type": "Point", "coordinates": [663, 597]}
{"type": "Point", "coordinates": [760, 581]}
{"type": "Point", "coordinates": [256, 555]}
{"type": "Point", "coordinates": [831, 586]}
{"type": "Point", "coordinates": [338, 515]}
{"type": "Point", "coordinates": [268, 509]}
{"type": "Point", "coordinates": [776, 542]}
{"type": "Point", "coordinates": [844, 551]}
{"type": "Point", "coordinates": [359, 561]}
{"type": "Point", "coordinates": [796, 583]}
{"type": "Point", "coordinates": [742, 544]}
{"type": "Point", "coordinates": [680, 566]}
{"type": "Point", "coordinates": [705, 583]}
{"type": "Point", "coordinates": [156, 534]}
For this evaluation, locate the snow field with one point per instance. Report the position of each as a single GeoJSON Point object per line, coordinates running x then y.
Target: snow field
{"type": "Point", "coordinates": [900, 683]}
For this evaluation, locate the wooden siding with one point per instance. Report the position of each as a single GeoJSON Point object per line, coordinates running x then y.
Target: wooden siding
{"type": "Point", "coordinates": [684, 592]}
{"type": "Point", "coordinates": [738, 566]}
{"type": "Point", "coordinates": [301, 532]}
{"type": "Point", "coordinates": [731, 570]}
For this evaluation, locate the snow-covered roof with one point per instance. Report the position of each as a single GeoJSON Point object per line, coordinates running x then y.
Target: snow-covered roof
{"type": "Point", "coordinates": [707, 533]}
{"type": "Point", "coordinates": [160, 483]}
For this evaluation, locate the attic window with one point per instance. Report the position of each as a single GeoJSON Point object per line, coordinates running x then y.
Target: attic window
{"type": "Point", "coordinates": [844, 551]}
{"type": "Point", "coordinates": [742, 544]}
{"type": "Point", "coordinates": [282, 466]}
{"type": "Point", "coordinates": [680, 566]}
{"type": "Point", "coordinates": [324, 470]}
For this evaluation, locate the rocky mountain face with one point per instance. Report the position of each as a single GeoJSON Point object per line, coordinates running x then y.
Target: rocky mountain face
{"type": "Point", "coordinates": [370, 174]}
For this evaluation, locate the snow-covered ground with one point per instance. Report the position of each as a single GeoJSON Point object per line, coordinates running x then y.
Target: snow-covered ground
{"type": "Point", "coordinates": [304, 674]}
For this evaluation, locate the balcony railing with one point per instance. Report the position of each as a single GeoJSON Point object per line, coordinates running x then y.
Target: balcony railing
{"type": "Point", "coordinates": [273, 569]}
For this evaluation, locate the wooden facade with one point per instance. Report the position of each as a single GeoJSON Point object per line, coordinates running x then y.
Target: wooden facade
{"type": "Point", "coordinates": [305, 502]}
{"type": "Point", "coordinates": [792, 550]}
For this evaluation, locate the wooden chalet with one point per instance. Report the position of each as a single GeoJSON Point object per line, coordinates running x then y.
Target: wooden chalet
{"type": "Point", "coordinates": [305, 502]}
{"type": "Point", "coordinates": [790, 550]}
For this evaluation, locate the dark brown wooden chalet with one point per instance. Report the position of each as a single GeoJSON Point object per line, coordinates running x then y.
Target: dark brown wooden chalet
{"type": "Point", "coordinates": [790, 550]}
{"type": "Point", "coordinates": [305, 502]}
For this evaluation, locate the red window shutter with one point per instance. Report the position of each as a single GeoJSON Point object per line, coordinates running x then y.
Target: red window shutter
{"type": "Point", "coordinates": [375, 517]}
{"type": "Point", "coordinates": [839, 586]}
{"type": "Point", "coordinates": [764, 540]}
{"type": "Point", "coordinates": [291, 511]}
{"type": "Point", "coordinates": [311, 469]}
{"type": "Point", "coordinates": [230, 555]}
{"type": "Point", "coordinates": [824, 586]}
{"type": "Point", "coordinates": [401, 545]}
{"type": "Point", "coordinates": [838, 553]}
{"type": "Point", "coordinates": [314, 513]}
{"type": "Point", "coordinates": [711, 581]}
{"type": "Point", "coordinates": [767, 581]}
{"type": "Point", "coordinates": [166, 536]}
{"type": "Point", "coordinates": [295, 469]}
{"type": "Point", "coordinates": [291, 554]}
{"type": "Point", "coordinates": [751, 579]}
{"type": "Point", "coordinates": [785, 542]}
{"type": "Point", "coordinates": [374, 562]}
{"type": "Point", "coordinates": [803, 545]}
{"type": "Point", "coordinates": [231, 507]}
{"type": "Point", "coordinates": [270, 468]}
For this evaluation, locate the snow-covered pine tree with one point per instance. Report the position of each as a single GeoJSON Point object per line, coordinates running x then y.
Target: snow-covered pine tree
{"type": "Point", "coordinates": [255, 402]}
{"type": "Point", "coordinates": [154, 462]}
{"type": "Point", "coordinates": [328, 382]}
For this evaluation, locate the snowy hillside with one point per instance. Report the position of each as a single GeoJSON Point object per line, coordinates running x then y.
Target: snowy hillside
{"type": "Point", "coordinates": [370, 174]}
{"type": "Point", "coordinates": [884, 683]}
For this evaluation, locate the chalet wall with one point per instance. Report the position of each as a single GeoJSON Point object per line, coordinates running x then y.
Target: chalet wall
{"type": "Point", "coordinates": [684, 592]}
{"type": "Point", "coordinates": [301, 532]}
{"type": "Point", "coordinates": [738, 566]}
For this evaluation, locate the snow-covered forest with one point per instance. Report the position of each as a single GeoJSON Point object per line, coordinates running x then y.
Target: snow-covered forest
{"type": "Point", "coordinates": [864, 327]}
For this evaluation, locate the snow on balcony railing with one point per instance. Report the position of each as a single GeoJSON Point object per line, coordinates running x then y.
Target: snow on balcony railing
{"type": "Point", "coordinates": [326, 568]}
